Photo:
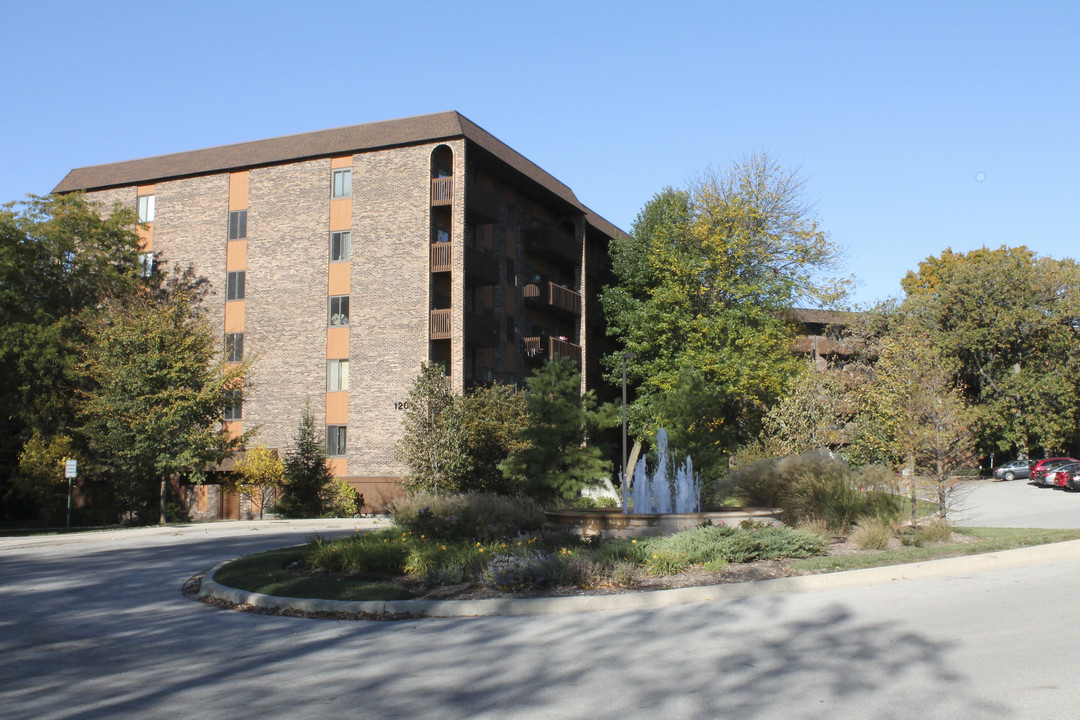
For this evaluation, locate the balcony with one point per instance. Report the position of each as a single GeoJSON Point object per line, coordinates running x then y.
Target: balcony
{"type": "Point", "coordinates": [481, 204]}
{"type": "Point", "coordinates": [541, 349]}
{"type": "Point", "coordinates": [550, 296]}
{"type": "Point", "coordinates": [552, 244]}
{"type": "Point", "coordinates": [440, 257]}
{"type": "Point", "coordinates": [481, 330]}
{"type": "Point", "coordinates": [442, 191]}
{"type": "Point", "coordinates": [440, 324]}
{"type": "Point", "coordinates": [481, 268]}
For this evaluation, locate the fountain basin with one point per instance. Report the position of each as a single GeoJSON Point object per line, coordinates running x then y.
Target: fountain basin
{"type": "Point", "coordinates": [612, 522]}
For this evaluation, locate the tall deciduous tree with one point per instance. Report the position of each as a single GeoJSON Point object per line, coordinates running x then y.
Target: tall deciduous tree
{"type": "Point", "coordinates": [912, 412]}
{"type": "Point", "coordinates": [1009, 318]}
{"type": "Point", "coordinates": [558, 460]}
{"type": "Point", "coordinates": [703, 282]}
{"type": "Point", "coordinates": [428, 443]}
{"type": "Point", "coordinates": [61, 259]}
{"type": "Point", "coordinates": [157, 390]}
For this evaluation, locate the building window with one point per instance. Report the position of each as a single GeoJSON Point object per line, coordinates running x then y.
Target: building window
{"type": "Point", "coordinates": [235, 286]}
{"type": "Point", "coordinates": [145, 264]}
{"type": "Point", "coordinates": [335, 440]}
{"type": "Point", "coordinates": [341, 185]}
{"type": "Point", "coordinates": [237, 224]}
{"type": "Point", "coordinates": [235, 409]}
{"type": "Point", "coordinates": [234, 347]}
{"type": "Point", "coordinates": [339, 310]}
{"type": "Point", "coordinates": [337, 375]}
{"type": "Point", "coordinates": [339, 246]}
{"type": "Point", "coordinates": [146, 208]}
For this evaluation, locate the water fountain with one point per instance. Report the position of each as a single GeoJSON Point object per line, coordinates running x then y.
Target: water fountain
{"type": "Point", "coordinates": [666, 500]}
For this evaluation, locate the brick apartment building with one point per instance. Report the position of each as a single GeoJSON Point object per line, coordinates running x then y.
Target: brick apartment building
{"type": "Point", "coordinates": [342, 259]}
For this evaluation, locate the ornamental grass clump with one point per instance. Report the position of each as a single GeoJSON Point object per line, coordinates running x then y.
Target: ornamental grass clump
{"type": "Point", "coordinates": [872, 534]}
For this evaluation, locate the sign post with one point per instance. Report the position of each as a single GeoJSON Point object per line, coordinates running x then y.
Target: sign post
{"type": "Point", "coordinates": [71, 468]}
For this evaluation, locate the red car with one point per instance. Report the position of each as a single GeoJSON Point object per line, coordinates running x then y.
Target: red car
{"type": "Point", "coordinates": [1065, 476]}
{"type": "Point", "coordinates": [1041, 468]}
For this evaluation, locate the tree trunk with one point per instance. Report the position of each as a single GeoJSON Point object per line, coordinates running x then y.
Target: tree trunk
{"type": "Point", "coordinates": [911, 479]}
{"type": "Point", "coordinates": [164, 485]}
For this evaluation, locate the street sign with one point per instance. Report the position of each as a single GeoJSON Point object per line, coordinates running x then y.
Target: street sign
{"type": "Point", "coordinates": [70, 469]}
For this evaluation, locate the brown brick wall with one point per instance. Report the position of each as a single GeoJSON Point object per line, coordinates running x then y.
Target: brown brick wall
{"type": "Point", "coordinates": [285, 323]}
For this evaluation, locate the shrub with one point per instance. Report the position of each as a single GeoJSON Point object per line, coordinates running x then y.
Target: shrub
{"type": "Point", "coordinates": [872, 534]}
{"type": "Point", "coordinates": [472, 516]}
{"type": "Point", "coordinates": [819, 486]}
{"type": "Point", "coordinates": [340, 499]}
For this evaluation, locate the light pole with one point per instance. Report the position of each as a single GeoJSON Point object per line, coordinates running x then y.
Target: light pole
{"type": "Point", "coordinates": [625, 478]}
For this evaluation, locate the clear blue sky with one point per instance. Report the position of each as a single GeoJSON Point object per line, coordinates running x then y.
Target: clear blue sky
{"type": "Point", "coordinates": [918, 125]}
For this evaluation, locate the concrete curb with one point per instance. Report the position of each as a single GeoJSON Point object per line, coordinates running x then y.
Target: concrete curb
{"type": "Point", "coordinates": [1039, 554]}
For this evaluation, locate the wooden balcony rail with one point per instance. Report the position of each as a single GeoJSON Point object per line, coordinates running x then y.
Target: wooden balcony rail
{"type": "Point", "coordinates": [440, 257]}
{"type": "Point", "coordinates": [549, 294]}
{"type": "Point", "coordinates": [540, 349]}
{"type": "Point", "coordinates": [440, 324]}
{"type": "Point", "coordinates": [564, 298]}
{"type": "Point", "coordinates": [442, 191]}
{"type": "Point", "coordinates": [563, 348]}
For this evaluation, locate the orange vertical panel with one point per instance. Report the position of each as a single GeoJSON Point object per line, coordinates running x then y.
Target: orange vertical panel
{"type": "Point", "coordinates": [344, 161]}
{"type": "Point", "coordinates": [337, 343]}
{"type": "Point", "coordinates": [234, 316]}
{"type": "Point", "coordinates": [511, 304]}
{"type": "Point", "coordinates": [234, 428]}
{"type": "Point", "coordinates": [338, 466]}
{"type": "Point", "coordinates": [338, 282]}
{"type": "Point", "coordinates": [236, 255]}
{"type": "Point", "coordinates": [511, 357]}
{"type": "Point", "coordinates": [202, 498]}
{"type": "Point", "coordinates": [489, 357]}
{"type": "Point", "coordinates": [146, 236]}
{"type": "Point", "coordinates": [337, 408]}
{"type": "Point", "coordinates": [341, 214]}
{"type": "Point", "coordinates": [238, 190]}
{"type": "Point", "coordinates": [145, 190]}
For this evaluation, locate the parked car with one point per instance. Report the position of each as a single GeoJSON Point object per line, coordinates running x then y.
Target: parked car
{"type": "Point", "coordinates": [1060, 475]}
{"type": "Point", "coordinates": [1072, 478]}
{"type": "Point", "coordinates": [1039, 470]}
{"type": "Point", "coordinates": [1012, 470]}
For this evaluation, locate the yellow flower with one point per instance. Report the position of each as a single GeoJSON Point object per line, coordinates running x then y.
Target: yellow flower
{"type": "Point", "coordinates": [655, 557]}
{"type": "Point", "coordinates": [442, 547]}
{"type": "Point", "coordinates": [634, 542]}
{"type": "Point", "coordinates": [481, 549]}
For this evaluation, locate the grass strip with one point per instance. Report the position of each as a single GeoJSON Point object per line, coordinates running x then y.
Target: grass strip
{"type": "Point", "coordinates": [269, 573]}
{"type": "Point", "coordinates": [987, 540]}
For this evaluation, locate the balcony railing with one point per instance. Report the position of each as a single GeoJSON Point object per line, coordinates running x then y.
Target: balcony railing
{"type": "Point", "coordinates": [440, 257]}
{"type": "Point", "coordinates": [542, 349]}
{"type": "Point", "coordinates": [442, 191]}
{"type": "Point", "coordinates": [552, 244]}
{"type": "Point", "coordinates": [440, 324]}
{"type": "Point", "coordinates": [550, 295]}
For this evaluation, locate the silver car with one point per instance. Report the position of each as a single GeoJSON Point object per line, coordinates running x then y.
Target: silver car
{"type": "Point", "coordinates": [1012, 470]}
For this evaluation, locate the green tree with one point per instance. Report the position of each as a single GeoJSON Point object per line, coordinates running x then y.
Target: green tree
{"type": "Point", "coordinates": [429, 441]}
{"type": "Point", "coordinates": [703, 283]}
{"type": "Point", "coordinates": [307, 473]}
{"type": "Point", "coordinates": [156, 390]}
{"type": "Point", "coordinates": [490, 423]}
{"type": "Point", "coordinates": [261, 474]}
{"type": "Point", "coordinates": [912, 413]}
{"type": "Point", "coordinates": [61, 259]}
{"type": "Point", "coordinates": [812, 416]}
{"type": "Point", "coordinates": [557, 459]}
{"type": "Point", "coordinates": [1008, 318]}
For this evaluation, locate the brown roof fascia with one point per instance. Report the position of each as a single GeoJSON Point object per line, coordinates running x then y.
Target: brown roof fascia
{"type": "Point", "coordinates": [322, 143]}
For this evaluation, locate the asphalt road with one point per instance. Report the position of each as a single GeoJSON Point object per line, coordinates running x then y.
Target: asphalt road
{"type": "Point", "coordinates": [95, 626]}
